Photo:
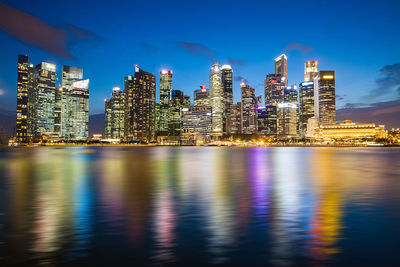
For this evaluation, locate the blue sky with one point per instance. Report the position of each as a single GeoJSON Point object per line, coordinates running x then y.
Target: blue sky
{"type": "Point", "coordinates": [354, 38]}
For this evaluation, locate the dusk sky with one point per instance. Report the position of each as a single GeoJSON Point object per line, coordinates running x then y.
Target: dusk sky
{"type": "Point", "coordinates": [358, 39]}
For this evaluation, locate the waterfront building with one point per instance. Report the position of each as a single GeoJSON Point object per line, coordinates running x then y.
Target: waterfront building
{"type": "Point", "coordinates": [324, 97]}
{"type": "Point", "coordinates": [216, 98]}
{"type": "Point", "coordinates": [24, 88]}
{"type": "Point", "coordinates": [45, 94]}
{"type": "Point", "coordinates": [249, 110]}
{"type": "Point", "coordinates": [175, 112]}
{"type": "Point", "coordinates": [312, 124]}
{"type": "Point", "coordinates": [267, 120]}
{"type": "Point", "coordinates": [197, 120]}
{"type": "Point", "coordinates": [140, 96]}
{"type": "Point", "coordinates": [310, 70]}
{"type": "Point", "coordinates": [58, 109]}
{"type": "Point", "coordinates": [115, 114]}
{"type": "Point", "coordinates": [281, 68]}
{"type": "Point", "coordinates": [202, 97]}
{"type": "Point", "coordinates": [274, 89]}
{"type": "Point", "coordinates": [78, 106]}
{"type": "Point", "coordinates": [227, 85]}
{"type": "Point", "coordinates": [107, 118]}
{"type": "Point", "coordinates": [306, 105]}
{"type": "Point", "coordinates": [350, 130]}
{"type": "Point", "coordinates": [287, 120]}
{"type": "Point", "coordinates": [236, 118]}
{"type": "Point", "coordinates": [165, 91]}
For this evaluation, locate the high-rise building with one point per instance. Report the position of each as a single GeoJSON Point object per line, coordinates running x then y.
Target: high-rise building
{"type": "Point", "coordinates": [25, 72]}
{"type": "Point", "coordinates": [236, 118]}
{"type": "Point", "coordinates": [107, 118]}
{"type": "Point", "coordinates": [78, 105]}
{"type": "Point", "coordinates": [186, 101]}
{"type": "Point", "coordinates": [115, 114]}
{"type": "Point", "coordinates": [281, 68]}
{"type": "Point", "coordinates": [140, 100]}
{"type": "Point", "coordinates": [175, 112]}
{"type": "Point", "coordinates": [267, 120]}
{"type": "Point", "coordinates": [274, 89]}
{"type": "Point", "coordinates": [45, 86]}
{"type": "Point", "coordinates": [306, 102]}
{"type": "Point", "coordinates": [249, 112]}
{"type": "Point", "coordinates": [202, 97]}
{"type": "Point", "coordinates": [165, 91]}
{"type": "Point", "coordinates": [197, 120]}
{"type": "Point", "coordinates": [287, 119]}
{"type": "Point", "coordinates": [310, 70]}
{"type": "Point", "coordinates": [227, 85]}
{"type": "Point", "coordinates": [291, 95]}
{"type": "Point", "coordinates": [324, 97]}
{"type": "Point", "coordinates": [58, 109]}
{"type": "Point", "coordinates": [216, 97]}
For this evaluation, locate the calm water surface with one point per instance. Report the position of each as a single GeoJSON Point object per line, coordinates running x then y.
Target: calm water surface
{"type": "Point", "coordinates": [200, 206]}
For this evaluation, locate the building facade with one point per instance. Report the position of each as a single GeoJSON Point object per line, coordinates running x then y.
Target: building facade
{"type": "Point", "coordinates": [267, 120]}
{"type": "Point", "coordinates": [249, 110]}
{"type": "Point", "coordinates": [227, 85]}
{"type": "Point", "coordinates": [201, 97]}
{"type": "Point", "coordinates": [349, 130]}
{"type": "Point", "coordinates": [236, 119]}
{"type": "Point", "coordinates": [115, 115]}
{"type": "Point", "coordinates": [287, 120]}
{"type": "Point", "coordinates": [281, 68]}
{"type": "Point", "coordinates": [197, 120]}
{"type": "Point", "coordinates": [306, 105]}
{"type": "Point", "coordinates": [165, 92]}
{"type": "Point", "coordinates": [310, 70]}
{"type": "Point", "coordinates": [274, 89]}
{"type": "Point", "coordinates": [216, 98]}
{"type": "Point", "coordinates": [324, 97]}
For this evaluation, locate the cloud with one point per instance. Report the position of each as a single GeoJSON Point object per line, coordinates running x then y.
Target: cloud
{"type": "Point", "coordinates": [339, 98]}
{"type": "Point", "coordinates": [2, 92]}
{"type": "Point", "coordinates": [197, 49]}
{"type": "Point", "coordinates": [148, 46]}
{"type": "Point", "coordinates": [387, 113]}
{"type": "Point", "coordinates": [235, 62]}
{"type": "Point", "coordinates": [33, 31]}
{"type": "Point", "coordinates": [240, 79]}
{"type": "Point", "coordinates": [391, 79]}
{"type": "Point", "coordinates": [299, 47]}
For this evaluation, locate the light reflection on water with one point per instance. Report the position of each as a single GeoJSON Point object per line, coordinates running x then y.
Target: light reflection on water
{"type": "Point", "coordinates": [207, 205]}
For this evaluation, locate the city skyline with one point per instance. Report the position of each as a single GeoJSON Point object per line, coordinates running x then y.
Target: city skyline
{"type": "Point", "coordinates": [189, 55]}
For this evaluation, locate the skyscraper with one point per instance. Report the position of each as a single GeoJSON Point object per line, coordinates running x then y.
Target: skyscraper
{"type": "Point", "coordinates": [202, 97]}
{"type": "Point", "coordinates": [310, 70]}
{"type": "Point", "coordinates": [115, 114]}
{"type": "Point", "coordinates": [45, 86]}
{"type": "Point", "coordinates": [140, 100]}
{"type": "Point", "coordinates": [291, 95]}
{"type": "Point", "coordinates": [197, 120]}
{"type": "Point", "coordinates": [216, 96]}
{"type": "Point", "coordinates": [306, 102]}
{"type": "Point", "coordinates": [176, 104]}
{"type": "Point", "coordinates": [23, 90]}
{"type": "Point", "coordinates": [249, 112]}
{"type": "Point", "coordinates": [324, 97]}
{"type": "Point", "coordinates": [78, 105]}
{"type": "Point", "coordinates": [287, 119]}
{"type": "Point", "coordinates": [236, 118]}
{"type": "Point", "coordinates": [281, 68]}
{"type": "Point", "coordinates": [274, 89]}
{"type": "Point", "coordinates": [107, 118]}
{"type": "Point", "coordinates": [266, 120]}
{"type": "Point", "coordinates": [165, 90]}
{"type": "Point", "coordinates": [227, 74]}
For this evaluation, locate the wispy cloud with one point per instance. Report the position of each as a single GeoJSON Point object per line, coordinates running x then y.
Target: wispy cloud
{"type": "Point", "coordinates": [148, 46]}
{"type": "Point", "coordinates": [197, 49]}
{"type": "Point", "coordinates": [390, 80]}
{"type": "Point", "coordinates": [234, 62]}
{"type": "Point", "coordinates": [299, 47]}
{"type": "Point", "coordinates": [34, 31]}
{"type": "Point", "coordinates": [240, 79]}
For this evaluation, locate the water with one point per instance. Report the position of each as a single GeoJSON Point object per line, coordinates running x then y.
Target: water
{"type": "Point", "coordinates": [200, 206]}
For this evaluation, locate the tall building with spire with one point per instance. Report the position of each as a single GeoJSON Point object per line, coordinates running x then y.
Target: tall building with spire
{"type": "Point", "coordinates": [140, 101]}
{"type": "Point", "coordinates": [165, 91]}
{"type": "Point", "coordinates": [216, 98]}
{"type": "Point", "coordinates": [310, 70]}
{"type": "Point", "coordinates": [281, 67]}
{"type": "Point", "coordinates": [24, 87]}
{"type": "Point", "coordinates": [227, 85]}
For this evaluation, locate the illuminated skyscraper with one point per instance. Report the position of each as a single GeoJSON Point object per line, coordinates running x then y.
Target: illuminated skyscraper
{"type": "Point", "coordinates": [201, 97]}
{"type": "Point", "coordinates": [266, 120]}
{"type": "Point", "coordinates": [78, 106]}
{"type": "Point", "coordinates": [24, 87]}
{"type": "Point", "coordinates": [176, 104]}
{"type": "Point", "coordinates": [197, 120]}
{"type": "Point", "coordinates": [287, 119]}
{"type": "Point", "coordinates": [227, 75]}
{"type": "Point", "coordinates": [274, 89]}
{"type": "Point", "coordinates": [107, 118]}
{"type": "Point", "coordinates": [140, 100]}
{"type": "Point", "coordinates": [324, 97]}
{"type": "Point", "coordinates": [291, 95]}
{"type": "Point", "coordinates": [306, 102]}
{"type": "Point", "coordinates": [310, 70]}
{"type": "Point", "coordinates": [165, 90]}
{"type": "Point", "coordinates": [236, 118]}
{"type": "Point", "coordinates": [115, 114]}
{"type": "Point", "coordinates": [281, 68]}
{"type": "Point", "coordinates": [45, 86]}
{"type": "Point", "coordinates": [249, 112]}
{"type": "Point", "coordinates": [216, 96]}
